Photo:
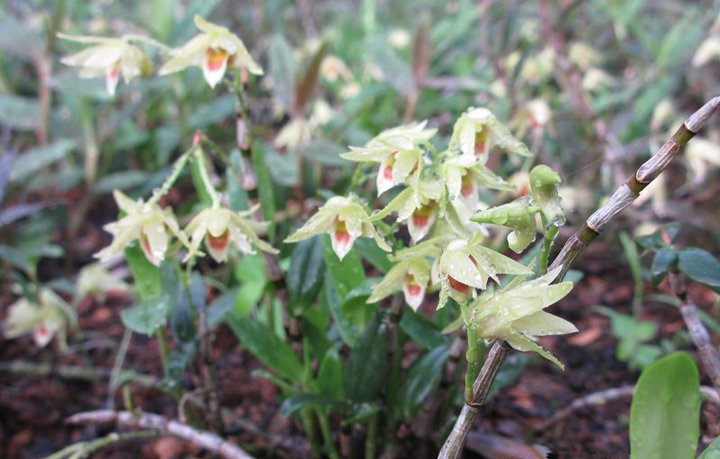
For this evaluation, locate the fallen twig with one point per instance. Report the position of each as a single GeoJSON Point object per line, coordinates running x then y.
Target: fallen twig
{"type": "Point", "coordinates": [604, 396]}
{"type": "Point", "coordinates": [698, 333]}
{"type": "Point", "coordinates": [206, 440]}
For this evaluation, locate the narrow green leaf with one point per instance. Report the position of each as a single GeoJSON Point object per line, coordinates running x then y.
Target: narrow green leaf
{"type": "Point", "coordinates": [712, 451]}
{"type": "Point", "coordinates": [701, 267]}
{"type": "Point", "coordinates": [302, 400]}
{"type": "Point", "coordinates": [330, 375]}
{"type": "Point", "coordinates": [421, 379]}
{"type": "Point", "coordinates": [266, 346]}
{"type": "Point", "coordinates": [145, 274]}
{"type": "Point", "coordinates": [346, 274]}
{"type": "Point", "coordinates": [19, 112]}
{"type": "Point", "coordinates": [307, 83]}
{"type": "Point", "coordinates": [373, 254]}
{"type": "Point", "coordinates": [366, 367]}
{"type": "Point", "coordinates": [307, 272]}
{"type": "Point", "coordinates": [265, 188]}
{"type": "Point", "coordinates": [220, 307]}
{"type": "Point", "coordinates": [148, 316]}
{"type": "Point", "coordinates": [665, 410]}
{"type": "Point", "coordinates": [395, 70]}
{"type": "Point", "coordinates": [663, 261]}
{"type": "Point", "coordinates": [250, 273]}
{"type": "Point", "coordinates": [33, 160]}
{"type": "Point", "coordinates": [422, 330]}
{"type": "Point", "coordinates": [349, 332]}
{"type": "Point", "coordinates": [283, 67]}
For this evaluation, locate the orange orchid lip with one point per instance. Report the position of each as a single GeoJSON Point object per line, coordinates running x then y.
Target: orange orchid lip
{"type": "Point", "coordinates": [216, 58]}
{"type": "Point", "coordinates": [340, 233]}
{"type": "Point", "coordinates": [218, 243]}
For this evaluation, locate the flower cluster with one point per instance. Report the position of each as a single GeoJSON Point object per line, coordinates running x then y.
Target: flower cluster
{"type": "Point", "coordinates": [214, 50]}
{"type": "Point", "coordinates": [153, 227]}
{"type": "Point", "coordinates": [440, 204]}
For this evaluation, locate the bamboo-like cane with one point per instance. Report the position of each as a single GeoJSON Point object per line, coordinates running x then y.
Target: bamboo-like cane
{"type": "Point", "coordinates": [587, 232]}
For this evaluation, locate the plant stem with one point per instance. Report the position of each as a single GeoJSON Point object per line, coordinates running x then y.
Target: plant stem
{"type": "Point", "coordinates": [163, 346]}
{"type": "Point", "coordinates": [309, 427]}
{"type": "Point", "coordinates": [205, 177]}
{"type": "Point", "coordinates": [622, 198]}
{"type": "Point", "coordinates": [455, 442]}
{"type": "Point", "coordinates": [631, 189]}
{"type": "Point", "coordinates": [170, 181]}
{"type": "Point", "coordinates": [548, 241]}
{"type": "Point", "coordinates": [326, 432]}
{"type": "Point", "coordinates": [117, 367]}
{"type": "Point", "coordinates": [371, 438]}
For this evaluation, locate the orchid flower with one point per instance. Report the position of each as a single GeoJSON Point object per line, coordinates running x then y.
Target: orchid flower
{"type": "Point", "coordinates": [419, 204]}
{"type": "Point", "coordinates": [463, 176]}
{"type": "Point", "coordinates": [109, 58]}
{"type": "Point", "coordinates": [466, 265]}
{"type": "Point", "coordinates": [44, 320]}
{"type": "Point", "coordinates": [146, 222]}
{"type": "Point", "coordinates": [345, 220]}
{"type": "Point", "coordinates": [398, 151]}
{"type": "Point", "coordinates": [477, 131]}
{"type": "Point", "coordinates": [214, 50]}
{"type": "Point", "coordinates": [220, 227]}
{"type": "Point", "coordinates": [515, 314]}
{"type": "Point", "coordinates": [411, 276]}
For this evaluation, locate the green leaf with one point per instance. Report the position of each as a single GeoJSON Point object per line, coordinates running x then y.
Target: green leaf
{"type": "Point", "coordinates": [266, 346]}
{"type": "Point", "coordinates": [302, 400]}
{"type": "Point", "coordinates": [147, 317]}
{"type": "Point", "coordinates": [123, 180]}
{"type": "Point", "coordinates": [712, 451]}
{"type": "Point", "coordinates": [33, 160]}
{"type": "Point", "coordinates": [395, 70]}
{"type": "Point", "coordinates": [307, 272]}
{"type": "Point", "coordinates": [656, 240]}
{"type": "Point", "coordinates": [665, 410]}
{"type": "Point", "coordinates": [330, 375]}
{"type": "Point", "coordinates": [349, 332]}
{"type": "Point", "coordinates": [366, 366]}
{"type": "Point", "coordinates": [346, 274]}
{"type": "Point", "coordinates": [423, 376]}
{"type": "Point", "coordinates": [19, 112]}
{"type": "Point", "coordinates": [422, 330]}
{"type": "Point", "coordinates": [373, 254]}
{"type": "Point", "coordinates": [306, 84]}
{"type": "Point", "coordinates": [663, 261]}
{"type": "Point", "coordinates": [145, 274]}
{"type": "Point", "coordinates": [283, 67]}
{"type": "Point", "coordinates": [250, 273]}
{"type": "Point", "coordinates": [265, 188]}
{"type": "Point", "coordinates": [701, 267]}
{"type": "Point", "coordinates": [360, 412]}
{"type": "Point", "coordinates": [221, 306]}
{"type": "Point", "coordinates": [213, 113]}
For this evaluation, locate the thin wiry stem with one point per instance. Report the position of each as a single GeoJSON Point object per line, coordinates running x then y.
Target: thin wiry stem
{"type": "Point", "coordinates": [622, 198]}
